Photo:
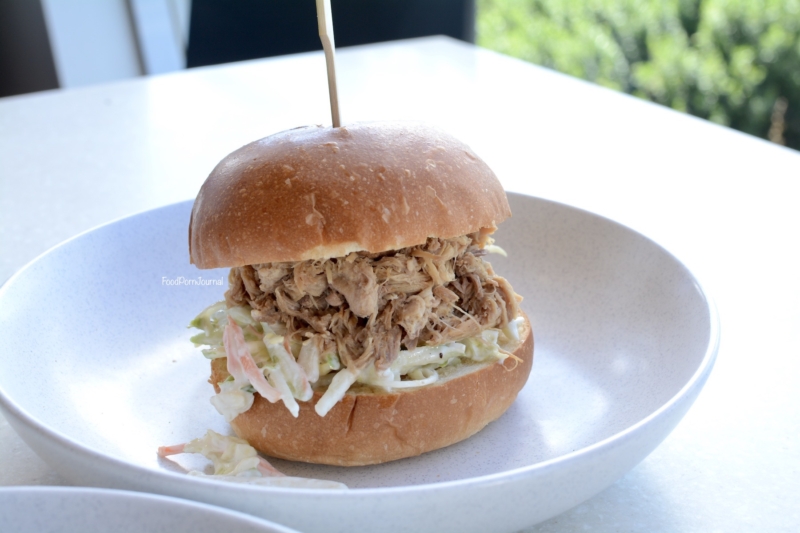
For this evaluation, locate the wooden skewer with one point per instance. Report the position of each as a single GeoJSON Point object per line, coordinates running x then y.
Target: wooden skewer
{"type": "Point", "coordinates": [325, 21]}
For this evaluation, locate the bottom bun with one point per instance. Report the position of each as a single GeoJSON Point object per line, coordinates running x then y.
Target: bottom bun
{"type": "Point", "coordinates": [370, 426]}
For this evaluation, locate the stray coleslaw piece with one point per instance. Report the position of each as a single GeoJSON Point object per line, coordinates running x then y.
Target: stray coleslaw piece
{"type": "Point", "coordinates": [235, 460]}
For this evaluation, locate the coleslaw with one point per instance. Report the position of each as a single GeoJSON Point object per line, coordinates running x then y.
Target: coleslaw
{"type": "Point", "coordinates": [259, 359]}
{"type": "Point", "coordinates": [236, 461]}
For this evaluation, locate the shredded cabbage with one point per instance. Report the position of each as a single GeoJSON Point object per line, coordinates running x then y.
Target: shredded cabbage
{"type": "Point", "coordinates": [292, 372]}
{"type": "Point", "coordinates": [408, 360]}
{"type": "Point", "coordinates": [232, 400]}
{"type": "Point", "coordinates": [330, 363]}
{"type": "Point", "coordinates": [336, 390]}
{"type": "Point", "coordinates": [484, 347]}
{"type": "Point", "coordinates": [494, 249]}
{"type": "Point", "coordinates": [309, 360]}
{"type": "Point", "coordinates": [212, 321]}
{"type": "Point", "coordinates": [277, 380]}
{"type": "Point", "coordinates": [511, 331]}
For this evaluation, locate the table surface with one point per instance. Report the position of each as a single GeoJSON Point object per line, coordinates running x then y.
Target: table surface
{"type": "Point", "coordinates": [723, 202]}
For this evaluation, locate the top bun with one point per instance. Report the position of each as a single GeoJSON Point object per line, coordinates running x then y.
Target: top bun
{"type": "Point", "coordinates": [318, 192]}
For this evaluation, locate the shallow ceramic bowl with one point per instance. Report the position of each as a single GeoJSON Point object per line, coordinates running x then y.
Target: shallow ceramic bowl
{"type": "Point", "coordinates": [97, 371]}
{"type": "Point", "coordinates": [86, 510]}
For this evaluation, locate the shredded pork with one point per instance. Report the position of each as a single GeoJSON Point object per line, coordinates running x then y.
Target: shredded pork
{"type": "Point", "coordinates": [367, 307]}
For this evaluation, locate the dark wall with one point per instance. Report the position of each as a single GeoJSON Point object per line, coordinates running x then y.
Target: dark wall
{"type": "Point", "coordinates": [222, 31]}
{"type": "Point", "coordinates": [26, 63]}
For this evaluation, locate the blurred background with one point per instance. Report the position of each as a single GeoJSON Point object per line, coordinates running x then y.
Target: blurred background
{"type": "Point", "coordinates": [734, 62]}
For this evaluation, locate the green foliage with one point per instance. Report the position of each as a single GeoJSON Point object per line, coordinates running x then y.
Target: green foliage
{"type": "Point", "coordinates": [735, 62]}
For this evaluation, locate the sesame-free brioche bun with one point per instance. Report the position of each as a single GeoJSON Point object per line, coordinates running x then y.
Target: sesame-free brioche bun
{"type": "Point", "coordinates": [370, 426]}
{"type": "Point", "coordinates": [319, 192]}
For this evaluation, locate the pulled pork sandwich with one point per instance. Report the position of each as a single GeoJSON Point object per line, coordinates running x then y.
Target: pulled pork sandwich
{"type": "Point", "coordinates": [362, 323]}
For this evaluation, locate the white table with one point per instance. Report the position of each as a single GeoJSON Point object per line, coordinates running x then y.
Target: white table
{"type": "Point", "coordinates": [723, 202]}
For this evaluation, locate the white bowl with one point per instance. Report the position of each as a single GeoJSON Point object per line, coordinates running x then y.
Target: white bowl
{"type": "Point", "coordinates": [97, 371]}
{"type": "Point", "coordinates": [85, 510]}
